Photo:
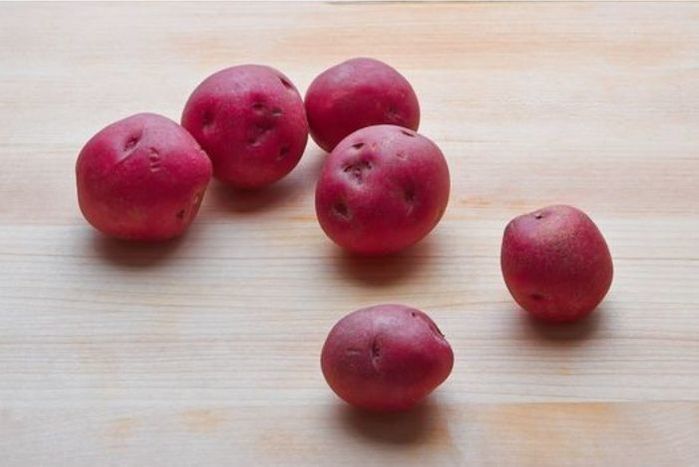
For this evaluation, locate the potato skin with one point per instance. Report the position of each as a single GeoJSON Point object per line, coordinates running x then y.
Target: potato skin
{"type": "Point", "coordinates": [385, 358]}
{"type": "Point", "coordinates": [556, 263]}
{"type": "Point", "coordinates": [251, 122]}
{"type": "Point", "coordinates": [355, 94]}
{"type": "Point", "coordinates": [142, 178]}
{"type": "Point", "coordinates": [382, 189]}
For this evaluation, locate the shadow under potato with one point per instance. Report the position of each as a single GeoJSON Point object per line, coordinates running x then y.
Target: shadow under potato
{"type": "Point", "coordinates": [298, 181]}
{"type": "Point", "coordinates": [134, 254]}
{"type": "Point", "coordinates": [564, 332]}
{"type": "Point", "coordinates": [383, 270]}
{"type": "Point", "coordinates": [412, 427]}
{"type": "Point", "coordinates": [248, 201]}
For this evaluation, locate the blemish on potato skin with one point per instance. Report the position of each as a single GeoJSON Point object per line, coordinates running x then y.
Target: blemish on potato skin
{"type": "Point", "coordinates": [375, 350]}
{"type": "Point", "coordinates": [340, 210]}
{"type": "Point", "coordinates": [409, 196]}
{"type": "Point", "coordinates": [207, 119]}
{"type": "Point", "coordinates": [258, 134]}
{"type": "Point", "coordinates": [392, 114]}
{"type": "Point", "coordinates": [283, 152]}
{"type": "Point", "coordinates": [132, 142]}
{"type": "Point", "coordinates": [356, 170]}
{"type": "Point", "coordinates": [286, 83]}
{"type": "Point", "coordinates": [154, 158]}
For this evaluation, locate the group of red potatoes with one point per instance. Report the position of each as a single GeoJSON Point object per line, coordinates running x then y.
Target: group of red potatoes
{"type": "Point", "coordinates": [382, 188]}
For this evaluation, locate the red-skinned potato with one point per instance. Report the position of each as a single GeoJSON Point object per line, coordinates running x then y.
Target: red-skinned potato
{"type": "Point", "coordinates": [385, 358]}
{"type": "Point", "coordinates": [251, 122]}
{"type": "Point", "coordinates": [382, 189]}
{"type": "Point", "coordinates": [355, 94]}
{"type": "Point", "coordinates": [142, 178]}
{"type": "Point", "coordinates": [556, 263]}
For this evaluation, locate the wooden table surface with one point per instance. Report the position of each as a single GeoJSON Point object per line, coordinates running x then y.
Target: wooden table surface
{"type": "Point", "coordinates": [205, 351]}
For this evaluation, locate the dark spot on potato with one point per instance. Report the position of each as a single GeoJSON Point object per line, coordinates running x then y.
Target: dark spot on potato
{"type": "Point", "coordinates": [536, 296]}
{"type": "Point", "coordinates": [375, 349]}
{"type": "Point", "coordinates": [180, 214]}
{"type": "Point", "coordinates": [413, 314]}
{"type": "Point", "coordinates": [400, 155]}
{"type": "Point", "coordinates": [207, 119]}
{"type": "Point", "coordinates": [276, 112]}
{"type": "Point", "coordinates": [258, 107]}
{"type": "Point", "coordinates": [392, 114]}
{"type": "Point", "coordinates": [407, 133]}
{"type": "Point", "coordinates": [258, 133]}
{"type": "Point", "coordinates": [436, 330]}
{"type": "Point", "coordinates": [358, 145]}
{"type": "Point", "coordinates": [283, 152]}
{"type": "Point", "coordinates": [340, 210]}
{"type": "Point", "coordinates": [409, 196]}
{"type": "Point", "coordinates": [539, 215]}
{"type": "Point", "coordinates": [154, 158]}
{"type": "Point", "coordinates": [285, 82]}
{"type": "Point", "coordinates": [356, 171]}
{"type": "Point", "coordinates": [131, 142]}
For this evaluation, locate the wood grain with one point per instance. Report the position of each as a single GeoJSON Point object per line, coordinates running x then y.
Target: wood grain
{"type": "Point", "coordinates": [205, 350]}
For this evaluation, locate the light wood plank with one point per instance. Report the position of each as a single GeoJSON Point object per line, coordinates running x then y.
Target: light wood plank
{"type": "Point", "coordinates": [206, 350]}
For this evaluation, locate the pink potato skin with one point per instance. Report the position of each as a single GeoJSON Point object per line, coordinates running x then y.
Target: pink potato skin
{"type": "Point", "coordinates": [251, 122]}
{"type": "Point", "coordinates": [556, 263]}
{"type": "Point", "coordinates": [382, 189]}
{"type": "Point", "coordinates": [385, 358]}
{"type": "Point", "coordinates": [142, 178]}
{"type": "Point", "coordinates": [355, 94]}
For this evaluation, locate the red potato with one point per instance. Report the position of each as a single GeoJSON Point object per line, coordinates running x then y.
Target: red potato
{"type": "Point", "coordinates": [355, 94]}
{"type": "Point", "coordinates": [142, 178]}
{"type": "Point", "coordinates": [385, 358]}
{"type": "Point", "coordinates": [251, 122]}
{"type": "Point", "coordinates": [382, 189]}
{"type": "Point", "coordinates": [556, 263]}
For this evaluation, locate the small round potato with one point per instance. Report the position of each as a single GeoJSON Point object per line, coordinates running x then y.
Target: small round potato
{"type": "Point", "coordinates": [142, 178]}
{"type": "Point", "coordinates": [251, 122]}
{"type": "Point", "coordinates": [385, 358]}
{"type": "Point", "coordinates": [355, 94]}
{"type": "Point", "coordinates": [382, 189]}
{"type": "Point", "coordinates": [556, 263]}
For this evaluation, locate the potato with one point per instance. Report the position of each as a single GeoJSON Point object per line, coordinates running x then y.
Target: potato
{"type": "Point", "coordinates": [251, 122]}
{"type": "Point", "coordinates": [556, 263]}
{"type": "Point", "coordinates": [355, 94]}
{"type": "Point", "coordinates": [382, 189]}
{"type": "Point", "coordinates": [385, 357]}
{"type": "Point", "coordinates": [142, 178]}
